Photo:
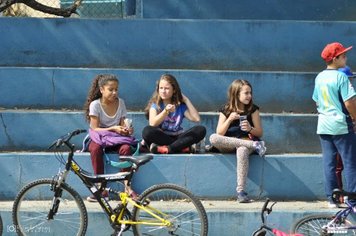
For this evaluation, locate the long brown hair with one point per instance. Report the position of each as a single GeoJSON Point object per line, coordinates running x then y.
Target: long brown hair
{"type": "Point", "coordinates": [233, 94]}
{"type": "Point", "coordinates": [94, 92]}
{"type": "Point", "coordinates": [177, 96]}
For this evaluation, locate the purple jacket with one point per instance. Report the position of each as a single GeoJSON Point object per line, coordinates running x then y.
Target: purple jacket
{"type": "Point", "coordinates": [108, 138]}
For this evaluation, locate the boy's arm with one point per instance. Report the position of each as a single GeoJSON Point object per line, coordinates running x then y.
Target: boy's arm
{"type": "Point", "coordinates": [351, 107]}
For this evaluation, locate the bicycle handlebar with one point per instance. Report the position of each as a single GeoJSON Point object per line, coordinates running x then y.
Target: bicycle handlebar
{"type": "Point", "coordinates": [267, 209]}
{"type": "Point", "coordinates": [65, 139]}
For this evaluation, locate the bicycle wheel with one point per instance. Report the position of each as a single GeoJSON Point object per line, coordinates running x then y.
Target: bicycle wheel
{"type": "Point", "coordinates": [1, 226]}
{"type": "Point", "coordinates": [33, 203]}
{"type": "Point", "coordinates": [175, 204]}
{"type": "Point", "coordinates": [316, 225]}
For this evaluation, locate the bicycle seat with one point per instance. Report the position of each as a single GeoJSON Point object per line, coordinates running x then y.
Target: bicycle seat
{"type": "Point", "coordinates": [138, 160]}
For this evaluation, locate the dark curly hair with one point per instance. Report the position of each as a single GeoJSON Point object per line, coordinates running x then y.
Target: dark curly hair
{"type": "Point", "coordinates": [94, 91]}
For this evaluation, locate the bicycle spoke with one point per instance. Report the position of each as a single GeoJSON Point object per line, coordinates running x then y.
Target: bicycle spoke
{"type": "Point", "coordinates": [33, 204]}
{"type": "Point", "coordinates": [176, 205]}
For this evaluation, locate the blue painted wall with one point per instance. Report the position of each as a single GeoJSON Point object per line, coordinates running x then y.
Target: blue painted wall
{"type": "Point", "coordinates": [189, 44]}
{"type": "Point", "coordinates": [206, 175]}
{"type": "Point", "coordinates": [68, 88]}
{"type": "Point", "coordinates": [342, 10]}
{"type": "Point", "coordinates": [35, 130]}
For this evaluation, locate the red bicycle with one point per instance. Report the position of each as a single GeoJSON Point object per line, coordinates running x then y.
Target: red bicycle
{"type": "Point", "coordinates": [264, 228]}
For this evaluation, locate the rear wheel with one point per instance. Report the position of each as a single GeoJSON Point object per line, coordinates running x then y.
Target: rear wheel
{"type": "Point", "coordinates": [30, 212]}
{"type": "Point", "coordinates": [184, 212]}
{"type": "Point", "coordinates": [316, 225]}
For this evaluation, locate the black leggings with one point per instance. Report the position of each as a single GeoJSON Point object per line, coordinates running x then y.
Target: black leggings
{"type": "Point", "coordinates": [175, 143]}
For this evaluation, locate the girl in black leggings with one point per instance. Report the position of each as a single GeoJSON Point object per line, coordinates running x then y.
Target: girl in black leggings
{"type": "Point", "coordinates": [165, 111]}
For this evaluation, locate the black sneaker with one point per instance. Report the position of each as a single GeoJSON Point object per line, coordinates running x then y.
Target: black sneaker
{"type": "Point", "coordinates": [242, 197]}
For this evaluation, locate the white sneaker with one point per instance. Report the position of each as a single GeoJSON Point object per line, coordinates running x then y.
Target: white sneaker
{"type": "Point", "coordinates": [260, 148]}
{"type": "Point", "coordinates": [332, 204]}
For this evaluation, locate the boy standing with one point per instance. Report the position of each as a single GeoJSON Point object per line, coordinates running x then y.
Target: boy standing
{"type": "Point", "coordinates": [335, 98]}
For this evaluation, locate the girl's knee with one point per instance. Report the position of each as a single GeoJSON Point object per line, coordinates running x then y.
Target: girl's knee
{"type": "Point", "coordinates": [213, 138]}
{"type": "Point", "coordinates": [201, 130]}
{"type": "Point", "coordinates": [125, 150]}
{"type": "Point", "coordinates": [244, 151]}
{"type": "Point", "coordinates": [95, 149]}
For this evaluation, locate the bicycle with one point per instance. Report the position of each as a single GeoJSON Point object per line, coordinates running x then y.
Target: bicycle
{"type": "Point", "coordinates": [1, 226]}
{"type": "Point", "coordinates": [51, 205]}
{"type": "Point", "coordinates": [264, 228]}
{"type": "Point", "coordinates": [330, 224]}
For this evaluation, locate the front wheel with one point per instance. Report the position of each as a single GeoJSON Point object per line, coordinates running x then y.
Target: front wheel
{"type": "Point", "coordinates": [31, 210]}
{"type": "Point", "coordinates": [316, 225]}
{"type": "Point", "coordinates": [178, 206]}
{"type": "Point", "coordinates": [1, 226]}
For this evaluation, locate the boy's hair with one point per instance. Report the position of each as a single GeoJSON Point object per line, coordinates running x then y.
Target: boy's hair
{"type": "Point", "coordinates": [177, 96]}
{"type": "Point", "coordinates": [233, 97]}
{"type": "Point", "coordinates": [94, 92]}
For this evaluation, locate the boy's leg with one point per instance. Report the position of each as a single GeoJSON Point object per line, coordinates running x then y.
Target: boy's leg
{"type": "Point", "coordinates": [329, 162]}
{"type": "Point", "coordinates": [346, 145]}
{"type": "Point", "coordinates": [339, 169]}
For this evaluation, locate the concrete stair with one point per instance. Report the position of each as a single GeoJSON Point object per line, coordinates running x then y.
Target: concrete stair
{"type": "Point", "coordinates": [47, 66]}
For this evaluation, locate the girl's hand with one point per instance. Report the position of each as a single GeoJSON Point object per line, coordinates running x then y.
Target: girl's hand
{"type": "Point", "coordinates": [130, 130]}
{"type": "Point", "coordinates": [170, 107]}
{"type": "Point", "coordinates": [121, 130]}
{"type": "Point", "coordinates": [233, 116]}
{"type": "Point", "coordinates": [245, 126]}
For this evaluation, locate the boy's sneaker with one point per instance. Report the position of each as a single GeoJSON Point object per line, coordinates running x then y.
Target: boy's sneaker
{"type": "Point", "coordinates": [154, 148]}
{"type": "Point", "coordinates": [242, 197]}
{"type": "Point", "coordinates": [260, 148]}
{"type": "Point", "coordinates": [92, 198]}
{"type": "Point", "coordinates": [333, 204]}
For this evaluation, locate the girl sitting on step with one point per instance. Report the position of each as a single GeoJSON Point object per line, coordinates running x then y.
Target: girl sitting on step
{"type": "Point", "coordinates": [165, 111]}
{"type": "Point", "coordinates": [239, 129]}
{"type": "Point", "coordinates": [106, 112]}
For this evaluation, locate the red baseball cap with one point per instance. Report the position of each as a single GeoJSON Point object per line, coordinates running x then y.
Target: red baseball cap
{"type": "Point", "coordinates": [333, 50]}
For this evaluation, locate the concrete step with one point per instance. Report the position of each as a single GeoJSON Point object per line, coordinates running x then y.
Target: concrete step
{"type": "Point", "coordinates": [170, 44]}
{"type": "Point", "coordinates": [227, 218]}
{"type": "Point", "coordinates": [245, 9]}
{"type": "Point", "coordinates": [209, 176]}
{"type": "Point", "coordinates": [68, 87]}
{"type": "Point", "coordinates": [25, 130]}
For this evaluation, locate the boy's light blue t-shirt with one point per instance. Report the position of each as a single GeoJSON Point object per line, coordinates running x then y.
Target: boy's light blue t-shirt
{"type": "Point", "coordinates": [332, 89]}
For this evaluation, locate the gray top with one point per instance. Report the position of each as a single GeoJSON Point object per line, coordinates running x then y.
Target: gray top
{"type": "Point", "coordinates": [95, 109]}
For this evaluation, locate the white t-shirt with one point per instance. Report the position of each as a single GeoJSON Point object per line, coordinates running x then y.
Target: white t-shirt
{"type": "Point", "coordinates": [105, 121]}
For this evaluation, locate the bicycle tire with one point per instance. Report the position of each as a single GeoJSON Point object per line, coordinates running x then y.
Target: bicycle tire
{"type": "Point", "coordinates": [313, 225]}
{"type": "Point", "coordinates": [32, 205]}
{"type": "Point", "coordinates": [174, 203]}
{"type": "Point", "coordinates": [260, 232]}
{"type": "Point", "coordinates": [1, 226]}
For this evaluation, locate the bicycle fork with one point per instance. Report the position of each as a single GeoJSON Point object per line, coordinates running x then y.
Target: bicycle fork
{"type": "Point", "coordinates": [57, 182]}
